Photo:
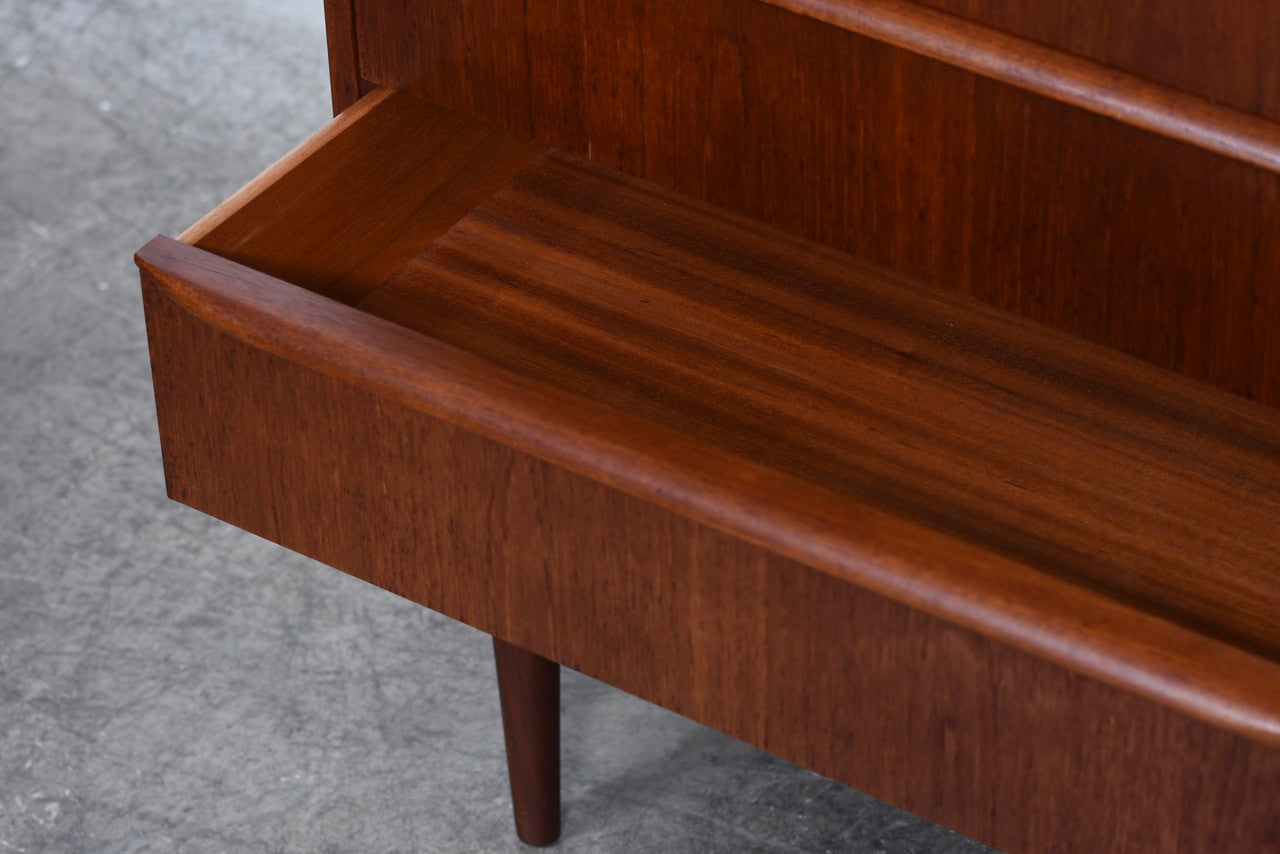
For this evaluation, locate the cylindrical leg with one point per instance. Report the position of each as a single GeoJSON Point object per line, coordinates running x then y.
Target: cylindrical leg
{"type": "Point", "coordinates": [529, 688]}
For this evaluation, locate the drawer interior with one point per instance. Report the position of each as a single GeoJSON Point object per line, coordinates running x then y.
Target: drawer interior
{"type": "Point", "coordinates": [343, 211]}
{"type": "Point", "coordinates": [799, 377]}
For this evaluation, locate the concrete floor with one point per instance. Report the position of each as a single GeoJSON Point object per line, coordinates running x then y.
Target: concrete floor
{"type": "Point", "coordinates": [170, 683]}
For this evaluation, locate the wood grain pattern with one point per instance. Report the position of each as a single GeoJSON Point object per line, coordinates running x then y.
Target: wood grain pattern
{"type": "Point", "coordinates": [765, 501]}
{"type": "Point", "coordinates": [1227, 52]}
{"type": "Point", "coordinates": [1044, 70]}
{"type": "Point", "coordinates": [1017, 583]}
{"type": "Point", "coordinates": [349, 205]}
{"type": "Point", "coordinates": [1025, 444]}
{"type": "Point", "coordinates": [952, 724]}
{"type": "Point", "coordinates": [947, 455]}
{"type": "Point", "coordinates": [1117, 235]}
{"type": "Point", "coordinates": [246, 205]}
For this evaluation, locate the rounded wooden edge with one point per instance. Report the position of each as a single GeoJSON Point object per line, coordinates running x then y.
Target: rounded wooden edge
{"type": "Point", "coordinates": [1078, 629]}
{"type": "Point", "coordinates": [1055, 74]}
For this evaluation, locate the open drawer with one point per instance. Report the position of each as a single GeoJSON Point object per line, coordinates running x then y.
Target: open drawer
{"type": "Point", "coordinates": [974, 567]}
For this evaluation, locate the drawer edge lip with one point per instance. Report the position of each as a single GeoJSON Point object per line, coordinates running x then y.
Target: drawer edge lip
{"type": "Point", "coordinates": [1050, 618]}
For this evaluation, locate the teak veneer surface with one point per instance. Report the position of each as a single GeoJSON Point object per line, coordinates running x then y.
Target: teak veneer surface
{"type": "Point", "coordinates": [942, 720]}
{"type": "Point", "coordinates": [1010, 580]}
{"type": "Point", "coordinates": [340, 212]}
{"type": "Point", "coordinates": [1228, 52]}
{"type": "Point", "coordinates": [1043, 70]}
{"type": "Point", "coordinates": [1022, 482]}
{"type": "Point", "coordinates": [1116, 234]}
{"type": "Point", "coordinates": [1013, 581]}
{"type": "Point", "coordinates": [1033, 446]}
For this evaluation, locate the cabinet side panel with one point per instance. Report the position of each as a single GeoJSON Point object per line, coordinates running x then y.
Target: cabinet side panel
{"type": "Point", "coordinates": [942, 721]}
{"type": "Point", "coordinates": [1120, 236]}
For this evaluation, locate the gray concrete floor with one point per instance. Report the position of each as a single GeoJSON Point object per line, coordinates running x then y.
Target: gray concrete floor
{"type": "Point", "coordinates": [170, 683]}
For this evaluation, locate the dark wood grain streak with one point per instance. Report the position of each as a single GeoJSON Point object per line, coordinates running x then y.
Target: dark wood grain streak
{"type": "Point", "coordinates": [1114, 234]}
{"type": "Point", "coordinates": [529, 690]}
{"type": "Point", "coordinates": [1064, 77]}
{"type": "Point", "coordinates": [841, 533]}
{"type": "Point", "coordinates": [344, 60]}
{"type": "Point", "coordinates": [952, 724]}
{"type": "Point", "coordinates": [1227, 52]}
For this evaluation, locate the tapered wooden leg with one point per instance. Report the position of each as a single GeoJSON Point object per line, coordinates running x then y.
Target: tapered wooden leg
{"type": "Point", "coordinates": [529, 688]}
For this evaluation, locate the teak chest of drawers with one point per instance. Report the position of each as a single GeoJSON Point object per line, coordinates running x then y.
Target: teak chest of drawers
{"type": "Point", "coordinates": [891, 389]}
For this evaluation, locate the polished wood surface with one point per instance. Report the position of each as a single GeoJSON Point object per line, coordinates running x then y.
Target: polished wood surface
{"type": "Point", "coordinates": [962, 728]}
{"type": "Point", "coordinates": [1037, 453]}
{"type": "Point", "coordinates": [348, 206]}
{"type": "Point", "coordinates": [842, 535]}
{"type": "Point", "coordinates": [529, 690]}
{"type": "Point", "coordinates": [1112, 233]}
{"type": "Point", "coordinates": [1227, 52]}
{"type": "Point", "coordinates": [1031, 447]}
{"type": "Point", "coordinates": [1044, 70]}
{"type": "Point", "coordinates": [665, 432]}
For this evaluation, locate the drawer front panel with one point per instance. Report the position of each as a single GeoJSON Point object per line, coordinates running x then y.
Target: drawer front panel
{"type": "Point", "coordinates": [935, 718]}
